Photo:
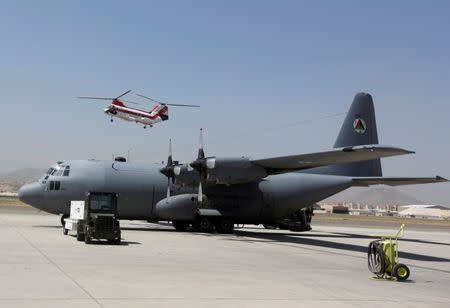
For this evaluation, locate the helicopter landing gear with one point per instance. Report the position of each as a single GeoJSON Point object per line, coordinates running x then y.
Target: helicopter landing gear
{"type": "Point", "coordinates": [145, 126]}
{"type": "Point", "coordinates": [111, 120]}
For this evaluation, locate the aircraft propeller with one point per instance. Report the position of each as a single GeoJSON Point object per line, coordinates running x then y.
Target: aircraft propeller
{"type": "Point", "coordinates": [169, 169]}
{"type": "Point", "coordinates": [201, 165]}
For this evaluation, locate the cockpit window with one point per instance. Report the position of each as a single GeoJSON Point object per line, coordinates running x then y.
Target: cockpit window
{"type": "Point", "coordinates": [59, 172]}
{"type": "Point", "coordinates": [66, 171]}
{"type": "Point", "coordinates": [55, 185]}
{"type": "Point", "coordinates": [50, 171]}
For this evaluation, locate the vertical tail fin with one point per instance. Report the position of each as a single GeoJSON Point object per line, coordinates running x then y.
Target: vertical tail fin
{"type": "Point", "coordinates": [160, 110]}
{"type": "Point", "coordinates": [359, 128]}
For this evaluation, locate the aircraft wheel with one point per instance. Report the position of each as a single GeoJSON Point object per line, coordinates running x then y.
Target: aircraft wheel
{"type": "Point", "coordinates": [203, 224]}
{"type": "Point", "coordinates": [269, 227]}
{"type": "Point", "coordinates": [80, 237]}
{"type": "Point", "coordinates": [65, 231]}
{"type": "Point", "coordinates": [225, 225]}
{"type": "Point", "coordinates": [400, 271]}
{"type": "Point", "coordinates": [87, 240]}
{"type": "Point", "coordinates": [180, 225]}
{"type": "Point", "coordinates": [64, 216]}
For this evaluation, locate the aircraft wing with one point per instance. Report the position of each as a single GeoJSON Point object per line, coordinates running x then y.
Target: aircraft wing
{"type": "Point", "coordinates": [342, 155]}
{"type": "Point", "coordinates": [392, 181]}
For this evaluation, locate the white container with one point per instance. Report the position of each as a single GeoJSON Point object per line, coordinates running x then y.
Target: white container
{"type": "Point", "coordinates": [77, 210]}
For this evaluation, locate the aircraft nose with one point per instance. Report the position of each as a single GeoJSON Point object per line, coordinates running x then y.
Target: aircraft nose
{"type": "Point", "coordinates": [31, 194]}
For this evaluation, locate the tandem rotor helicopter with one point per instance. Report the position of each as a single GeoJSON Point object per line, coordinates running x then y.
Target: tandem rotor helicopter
{"type": "Point", "coordinates": [118, 109]}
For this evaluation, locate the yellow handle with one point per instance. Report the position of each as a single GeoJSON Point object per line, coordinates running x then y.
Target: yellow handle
{"type": "Point", "coordinates": [400, 232]}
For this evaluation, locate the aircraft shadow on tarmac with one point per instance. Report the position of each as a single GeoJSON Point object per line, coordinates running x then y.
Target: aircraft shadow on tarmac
{"type": "Point", "coordinates": [122, 242]}
{"type": "Point", "coordinates": [148, 229]}
{"type": "Point", "coordinates": [47, 226]}
{"type": "Point", "coordinates": [306, 239]}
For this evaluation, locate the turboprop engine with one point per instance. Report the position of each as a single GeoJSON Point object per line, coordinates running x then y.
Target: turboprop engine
{"type": "Point", "coordinates": [228, 171]}
{"type": "Point", "coordinates": [224, 171]}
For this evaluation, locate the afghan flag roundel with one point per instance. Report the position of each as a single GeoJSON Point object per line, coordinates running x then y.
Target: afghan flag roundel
{"type": "Point", "coordinates": [359, 125]}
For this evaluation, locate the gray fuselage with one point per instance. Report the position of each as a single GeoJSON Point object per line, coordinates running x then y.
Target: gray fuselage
{"type": "Point", "coordinates": [140, 186]}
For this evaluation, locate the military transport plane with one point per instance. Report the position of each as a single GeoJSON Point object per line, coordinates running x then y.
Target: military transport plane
{"type": "Point", "coordinates": [214, 193]}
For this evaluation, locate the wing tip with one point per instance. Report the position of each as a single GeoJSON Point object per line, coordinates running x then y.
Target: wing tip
{"type": "Point", "coordinates": [441, 179]}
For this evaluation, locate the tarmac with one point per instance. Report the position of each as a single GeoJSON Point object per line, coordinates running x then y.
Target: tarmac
{"type": "Point", "coordinates": [255, 267]}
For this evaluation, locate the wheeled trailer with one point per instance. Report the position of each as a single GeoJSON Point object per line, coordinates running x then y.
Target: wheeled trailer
{"type": "Point", "coordinates": [382, 257]}
{"type": "Point", "coordinates": [75, 222]}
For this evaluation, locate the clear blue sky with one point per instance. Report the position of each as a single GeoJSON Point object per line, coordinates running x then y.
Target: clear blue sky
{"type": "Point", "coordinates": [254, 66]}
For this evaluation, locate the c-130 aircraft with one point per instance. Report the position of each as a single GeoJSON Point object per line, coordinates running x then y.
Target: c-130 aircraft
{"type": "Point", "coordinates": [214, 193]}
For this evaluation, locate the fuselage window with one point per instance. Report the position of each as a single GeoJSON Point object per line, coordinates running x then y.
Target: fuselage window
{"type": "Point", "coordinates": [52, 185]}
{"type": "Point", "coordinates": [50, 171]}
{"type": "Point", "coordinates": [57, 185]}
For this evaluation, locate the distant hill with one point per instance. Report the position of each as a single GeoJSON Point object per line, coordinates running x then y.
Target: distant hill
{"type": "Point", "coordinates": [377, 195]}
{"type": "Point", "coordinates": [13, 180]}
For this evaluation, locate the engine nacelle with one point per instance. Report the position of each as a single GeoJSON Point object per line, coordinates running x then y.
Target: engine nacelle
{"type": "Point", "coordinates": [185, 175]}
{"type": "Point", "coordinates": [231, 171]}
{"type": "Point", "coordinates": [180, 207]}
{"type": "Point", "coordinates": [225, 171]}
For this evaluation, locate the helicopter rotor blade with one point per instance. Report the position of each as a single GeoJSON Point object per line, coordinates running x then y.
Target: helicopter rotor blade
{"type": "Point", "coordinates": [93, 97]}
{"type": "Point", "coordinates": [123, 94]}
{"type": "Point", "coordinates": [167, 104]}
{"type": "Point", "coordinates": [151, 99]}
{"type": "Point", "coordinates": [180, 105]}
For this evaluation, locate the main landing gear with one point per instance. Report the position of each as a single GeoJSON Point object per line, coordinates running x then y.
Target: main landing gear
{"type": "Point", "coordinates": [205, 224]}
{"type": "Point", "coordinates": [299, 221]}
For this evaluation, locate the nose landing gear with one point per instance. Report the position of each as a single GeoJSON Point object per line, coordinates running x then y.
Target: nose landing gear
{"type": "Point", "coordinates": [64, 216]}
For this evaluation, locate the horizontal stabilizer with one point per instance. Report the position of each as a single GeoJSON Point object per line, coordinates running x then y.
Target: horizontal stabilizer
{"type": "Point", "coordinates": [391, 181]}
{"type": "Point", "coordinates": [337, 156]}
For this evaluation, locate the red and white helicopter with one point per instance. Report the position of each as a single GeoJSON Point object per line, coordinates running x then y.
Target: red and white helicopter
{"type": "Point", "coordinates": [118, 109]}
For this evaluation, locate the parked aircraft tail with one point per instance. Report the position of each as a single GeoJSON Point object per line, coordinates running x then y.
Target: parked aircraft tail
{"type": "Point", "coordinates": [359, 128]}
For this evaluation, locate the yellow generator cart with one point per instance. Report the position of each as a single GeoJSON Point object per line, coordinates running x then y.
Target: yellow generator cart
{"type": "Point", "coordinates": [382, 257]}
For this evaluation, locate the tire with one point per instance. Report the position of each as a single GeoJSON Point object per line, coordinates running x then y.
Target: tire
{"type": "Point", "coordinates": [203, 224]}
{"type": "Point", "coordinates": [180, 225]}
{"type": "Point", "coordinates": [224, 225]}
{"type": "Point", "coordinates": [64, 216]}
{"type": "Point", "coordinates": [87, 240]}
{"type": "Point", "coordinates": [400, 271]}
{"type": "Point", "coordinates": [80, 237]}
{"type": "Point", "coordinates": [114, 241]}
{"type": "Point", "coordinates": [269, 227]}
{"type": "Point", "coordinates": [65, 231]}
